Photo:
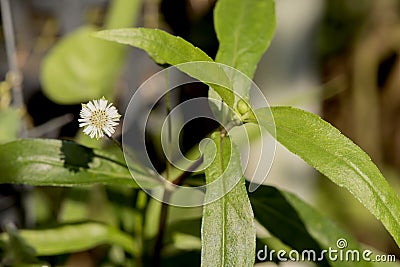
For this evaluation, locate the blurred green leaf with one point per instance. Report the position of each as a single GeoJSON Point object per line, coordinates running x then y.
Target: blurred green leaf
{"type": "Point", "coordinates": [123, 13]}
{"type": "Point", "coordinates": [15, 250]}
{"type": "Point", "coordinates": [184, 233]}
{"type": "Point", "coordinates": [73, 238]}
{"type": "Point", "coordinates": [299, 225]}
{"type": "Point", "coordinates": [186, 242]}
{"type": "Point", "coordinates": [31, 265]}
{"type": "Point", "coordinates": [152, 211]}
{"type": "Point", "coordinates": [384, 261]}
{"type": "Point", "coordinates": [276, 214]}
{"type": "Point", "coordinates": [185, 226]}
{"type": "Point", "coordinates": [244, 29]}
{"type": "Point", "coordinates": [64, 163]}
{"type": "Point", "coordinates": [72, 211]}
{"type": "Point", "coordinates": [79, 67]}
{"type": "Point", "coordinates": [9, 125]}
{"type": "Point", "coordinates": [271, 242]}
{"type": "Point", "coordinates": [86, 203]}
{"type": "Point", "coordinates": [165, 48]}
{"type": "Point", "coordinates": [228, 231]}
{"type": "Point", "coordinates": [323, 146]}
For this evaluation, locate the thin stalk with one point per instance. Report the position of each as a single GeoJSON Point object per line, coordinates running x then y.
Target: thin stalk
{"type": "Point", "coordinates": [179, 180]}
{"type": "Point", "coordinates": [14, 78]}
{"type": "Point", "coordinates": [141, 203]}
{"type": "Point", "coordinates": [167, 194]}
{"type": "Point", "coordinates": [50, 125]}
{"type": "Point", "coordinates": [169, 125]}
{"type": "Point", "coordinates": [14, 75]}
{"type": "Point", "coordinates": [161, 229]}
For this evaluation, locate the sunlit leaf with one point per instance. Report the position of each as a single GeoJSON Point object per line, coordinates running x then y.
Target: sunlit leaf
{"type": "Point", "coordinates": [228, 231]}
{"type": "Point", "coordinates": [323, 146]}
{"type": "Point", "coordinates": [166, 49]}
{"type": "Point", "coordinates": [64, 163]}
{"type": "Point", "coordinates": [244, 29]}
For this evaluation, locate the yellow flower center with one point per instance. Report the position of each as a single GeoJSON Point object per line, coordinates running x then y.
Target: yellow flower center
{"type": "Point", "coordinates": [99, 118]}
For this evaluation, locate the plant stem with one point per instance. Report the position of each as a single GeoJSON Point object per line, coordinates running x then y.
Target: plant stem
{"type": "Point", "coordinates": [169, 125]}
{"type": "Point", "coordinates": [14, 75]}
{"type": "Point", "coordinates": [179, 180]}
{"type": "Point", "coordinates": [141, 203]}
{"type": "Point", "coordinates": [167, 194]}
{"type": "Point", "coordinates": [164, 212]}
{"type": "Point", "coordinates": [14, 78]}
{"type": "Point", "coordinates": [50, 125]}
{"type": "Point", "coordinates": [161, 229]}
{"type": "Point", "coordinates": [156, 261]}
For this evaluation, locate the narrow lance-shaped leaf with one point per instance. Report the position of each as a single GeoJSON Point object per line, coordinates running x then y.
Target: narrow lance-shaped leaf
{"type": "Point", "coordinates": [244, 29]}
{"type": "Point", "coordinates": [302, 227]}
{"type": "Point", "coordinates": [323, 146]}
{"type": "Point", "coordinates": [64, 163]}
{"type": "Point", "coordinates": [228, 231]}
{"type": "Point", "coordinates": [73, 238]}
{"type": "Point", "coordinates": [165, 48]}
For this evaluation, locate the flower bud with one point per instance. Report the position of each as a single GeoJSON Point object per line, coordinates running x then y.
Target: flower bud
{"type": "Point", "coordinates": [242, 107]}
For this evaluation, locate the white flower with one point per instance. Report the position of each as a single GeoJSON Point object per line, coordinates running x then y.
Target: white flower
{"type": "Point", "coordinates": [98, 118]}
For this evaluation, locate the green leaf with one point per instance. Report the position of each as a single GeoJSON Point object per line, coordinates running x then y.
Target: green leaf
{"type": "Point", "coordinates": [228, 231]}
{"type": "Point", "coordinates": [123, 13]}
{"type": "Point", "coordinates": [323, 146]}
{"type": "Point", "coordinates": [161, 46]}
{"type": "Point", "coordinates": [278, 216]}
{"type": "Point", "coordinates": [73, 238]}
{"type": "Point", "coordinates": [186, 242]}
{"type": "Point", "coordinates": [166, 49]}
{"type": "Point", "coordinates": [299, 225]}
{"type": "Point", "coordinates": [9, 125]}
{"type": "Point", "coordinates": [79, 67]}
{"type": "Point", "coordinates": [64, 163]}
{"type": "Point", "coordinates": [244, 29]}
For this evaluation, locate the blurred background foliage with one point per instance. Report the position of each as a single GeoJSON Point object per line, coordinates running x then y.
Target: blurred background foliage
{"type": "Point", "coordinates": [335, 57]}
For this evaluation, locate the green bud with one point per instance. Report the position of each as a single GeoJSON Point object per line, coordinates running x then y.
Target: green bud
{"type": "Point", "coordinates": [242, 107]}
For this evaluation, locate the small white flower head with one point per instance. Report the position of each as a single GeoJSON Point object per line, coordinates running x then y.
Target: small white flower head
{"type": "Point", "coordinates": [98, 118]}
